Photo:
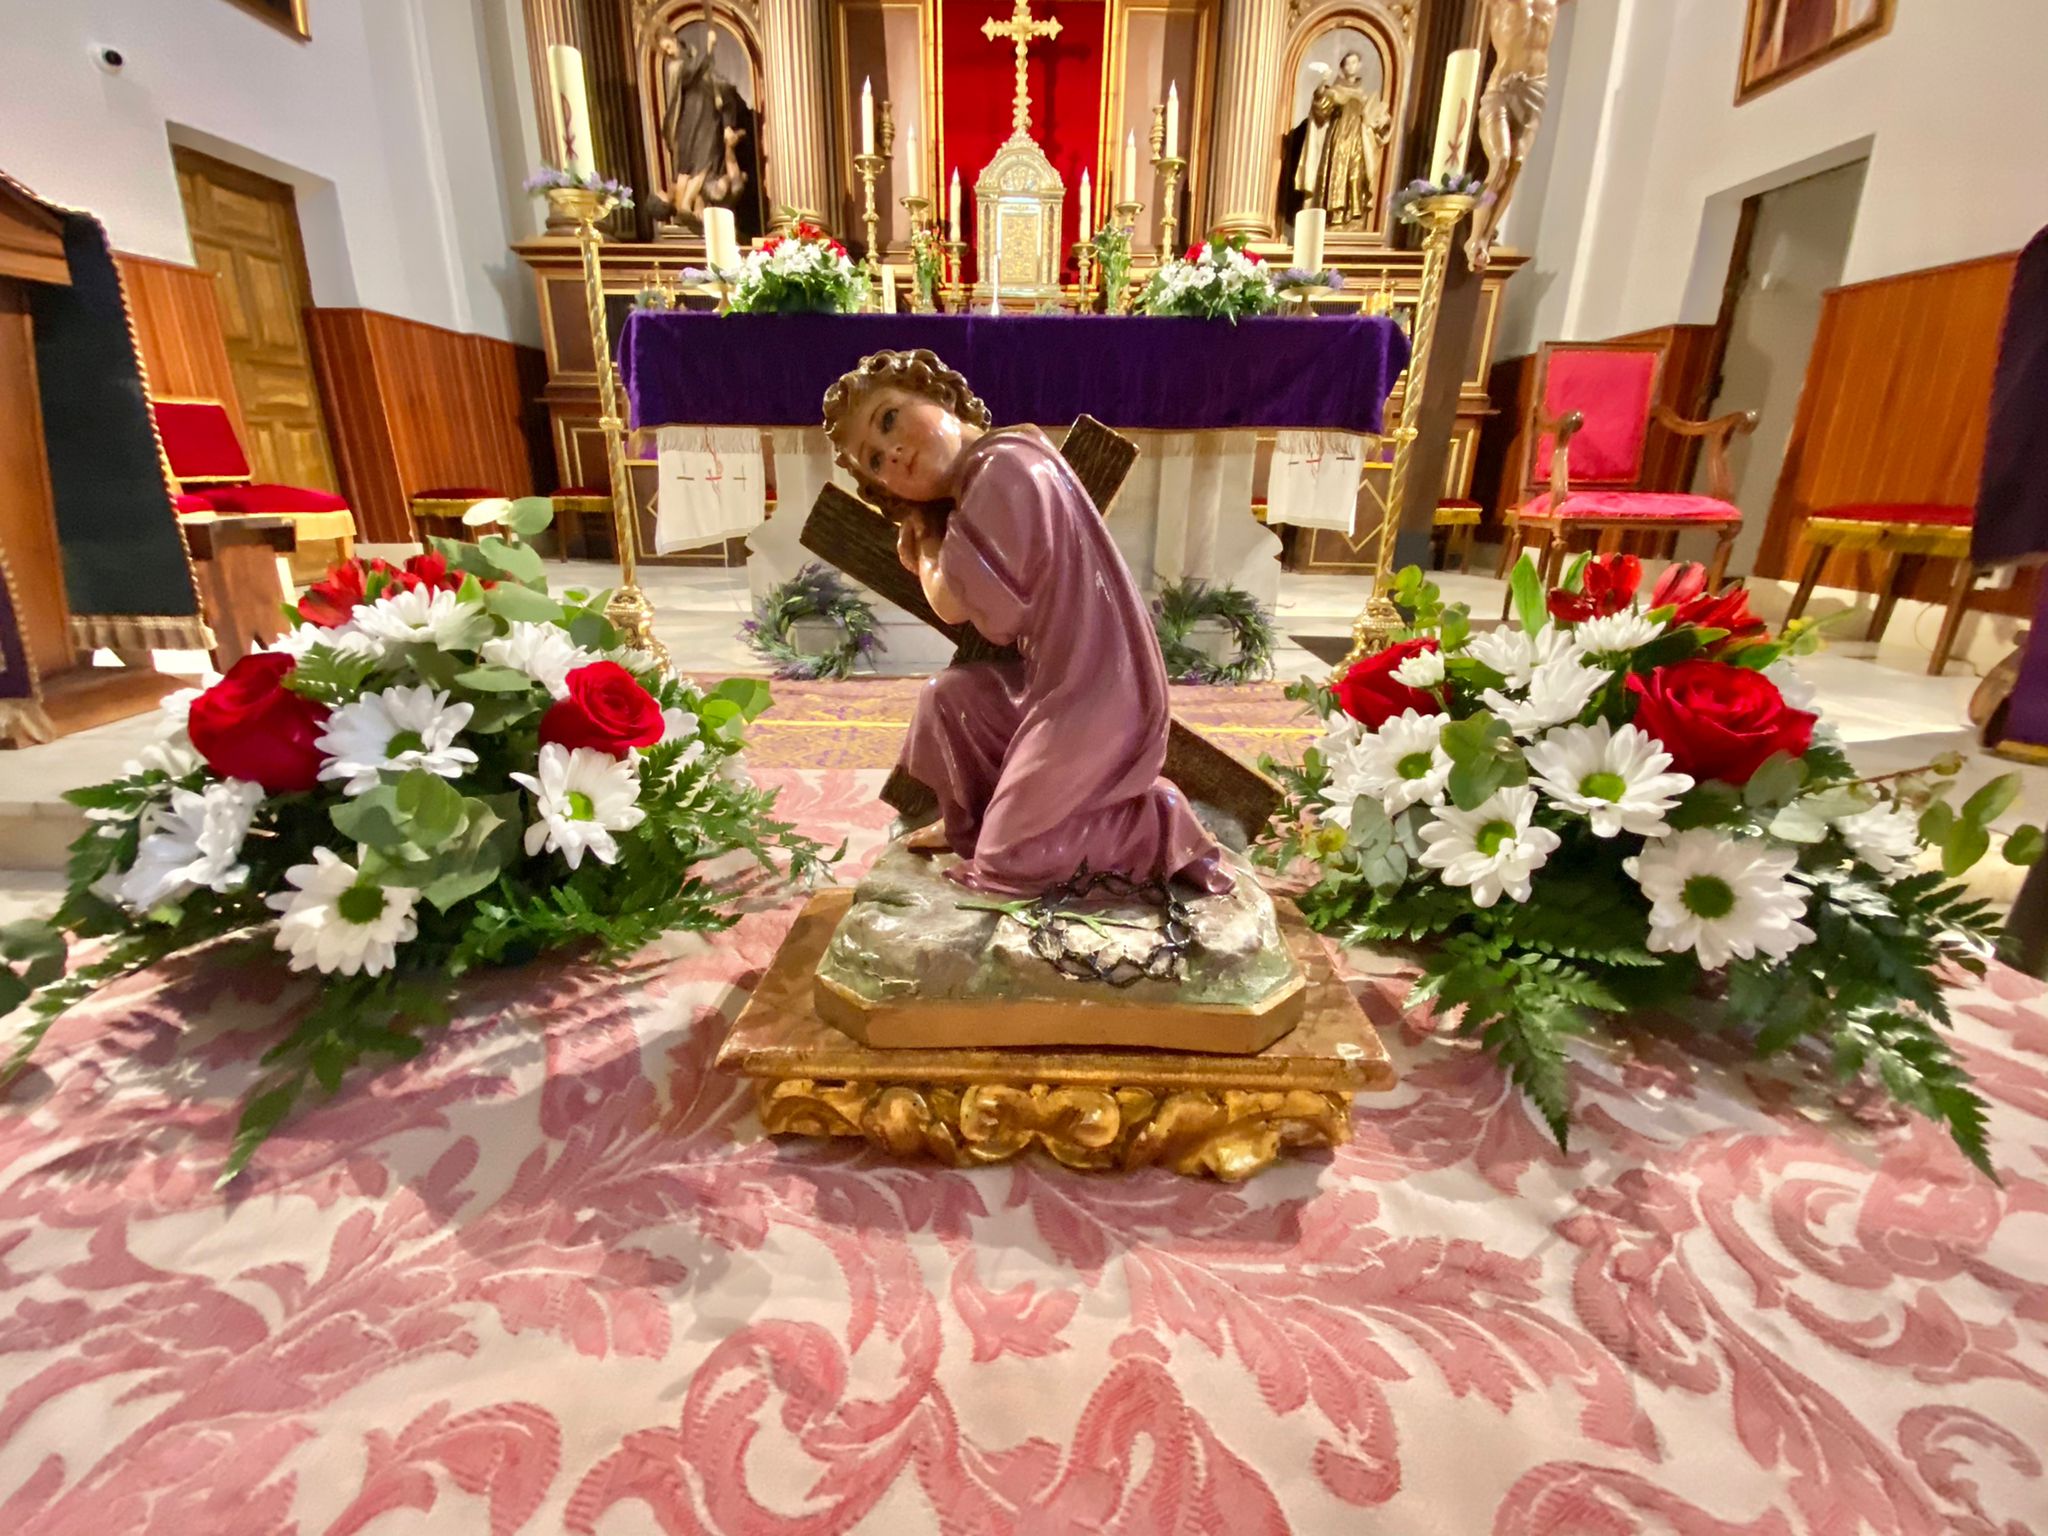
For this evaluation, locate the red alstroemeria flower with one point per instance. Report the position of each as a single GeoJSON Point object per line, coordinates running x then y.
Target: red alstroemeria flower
{"type": "Point", "coordinates": [1195, 251]}
{"type": "Point", "coordinates": [330, 601]}
{"type": "Point", "coordinates": [1679, 582]}
{"type": "Point", "coordinates": [771, 245]}
{"type": "Point", "coordinates": [1253, 257]}
{"type": "Point", "coordinates": [1607, 585]}
{"type": "Point", "coordinates": [1683, 587]}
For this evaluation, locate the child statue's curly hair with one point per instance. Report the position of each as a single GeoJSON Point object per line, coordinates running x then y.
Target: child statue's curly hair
{"type": "Point", "coordinates": [917, 372]}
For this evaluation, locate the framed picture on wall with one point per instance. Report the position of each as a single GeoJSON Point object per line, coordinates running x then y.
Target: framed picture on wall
{"type": "Point", "coordinates": [287, 15]}
{"type": "Point", "coordinates": [1786, 38]}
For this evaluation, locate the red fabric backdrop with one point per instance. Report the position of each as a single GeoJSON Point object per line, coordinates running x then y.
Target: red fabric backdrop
{"type": "Point", "coordinates": [1066, 97]}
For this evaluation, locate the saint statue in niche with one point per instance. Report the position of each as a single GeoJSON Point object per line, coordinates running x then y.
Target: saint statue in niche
{"type": "Point", "coordinates": [710, 132]}
{"type": "Point", "coordinates": [1052, 759]}
{"type": "Point", "coordinates": [1332, 158]}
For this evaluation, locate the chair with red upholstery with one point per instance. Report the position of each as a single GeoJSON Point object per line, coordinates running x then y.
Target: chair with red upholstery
{"type": "Point", "coordinates": [207, 460]}
{"type": "Point", "coordinates": [1591, 418]}
{"type": "Point", "coordinates": [1902, 535]}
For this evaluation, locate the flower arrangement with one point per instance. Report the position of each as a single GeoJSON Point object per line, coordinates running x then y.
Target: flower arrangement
{"type": "Point", "coordinates": [1216, 280]}
{"type": "Point", "coordinates": [1613, 806]}
{"type": "Point", "coordinates": [548, 178]}
{"type": "Point", "coordinates": [1112, 243]}
{"type": "Point", "coordinates": [927, 269]}
{"type": "Point", "coordinates": [1454, 184]}
{"type": "Point", "coordinates": [1182, 605]}
{"type": "Point", "coordinates": [815, 592]}
{"type": "Point", "coordinates": [802, 272]}
{"type": "Point", "coordinates": [439, 767]}
{"type": "Point", "coordinates": [1301, 283]}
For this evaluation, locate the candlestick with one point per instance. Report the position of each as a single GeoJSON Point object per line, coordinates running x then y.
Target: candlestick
{"type": "Point", "coordinates": [1169, 167]}
{"type": "Point", "coordinates": [1309, 227]}
{"type": "Point", "coordinates": [870, 166]}
{"type": "Point", "coordinates": [1087, 210]}
{"type": "Point", "coordinates": [1084, 276]}
{"type": "Point", "coordinates": [1454, 114]}
{"type": "Point", "coordinates": [995, 275]}
{"type": "Point", "coordinates": [913, 172]}
{"type": "Point", "coordinates": [1173, 120]}
{"type": "Point", "coordinates": [572, 112]}
{"type": "Point", "coordinates": [954, 287]}
{"type": "Point", "coordinates": [1128, 191]}
{"type": "Point", "coordinates": [867, 117]}
{"type": "Point", "coordinates": [1119, 302]}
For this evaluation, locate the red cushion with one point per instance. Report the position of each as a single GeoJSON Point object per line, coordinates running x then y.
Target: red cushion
{"type": "Point", "coordinates": [1612, 390]}
{"type": "Point", "coordinates": [199, 439]}
{"type": "Point", "coordinates": [188, 503]}
{"type": "Point", "coordinates": [1900, 512]}
{"type": "Point", "coordinates": [273, 498]}
{"type": "Point", "coordinates": [1650, 506]}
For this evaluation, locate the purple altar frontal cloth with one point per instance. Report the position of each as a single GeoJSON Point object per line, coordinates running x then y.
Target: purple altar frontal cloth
{"type": "Point", "coordinates": [690, 368]}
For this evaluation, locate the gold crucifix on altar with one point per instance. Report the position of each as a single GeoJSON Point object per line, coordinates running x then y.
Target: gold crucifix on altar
{"type": "Point", "coordinates": [1018, 196]}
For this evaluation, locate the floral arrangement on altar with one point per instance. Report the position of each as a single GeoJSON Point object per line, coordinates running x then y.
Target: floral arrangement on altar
{"type": "Point", "coordinates": [1216, 280]}
{"type": "Point", "coordinates": [1454, 184]}
{"type": "Point", "coordinates": [550, 178]}
{"type": "Point", "coordinates": [803, 272]}
{"type": "Point", "coordinates": [439, 767]}
{"type": "Point", "coordinates": [1617, 806]}
{"type": "Point", "coordinates": [815, 592]}
{"type": "Point", "coordinates": [1183, 605]}
{"type": "Point", "coordinates": [1112, 244]}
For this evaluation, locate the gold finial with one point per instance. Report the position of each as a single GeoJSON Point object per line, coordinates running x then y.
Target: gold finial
{"type": "Point", "coordinates": [888, 132]}
{"type": "Point", "coordinates": [1158, 129]}
{"type": "Point", "coordinates": [1023, 31]}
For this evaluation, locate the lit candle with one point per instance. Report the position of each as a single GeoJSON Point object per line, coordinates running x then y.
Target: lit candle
{"type": "Point", "coordinates": [572, 112]}
{"type": "Point", "coordinates": [1130, 167]}
{"type": "Point", "coordinates": [1454, 113]}
{"type": "Point", "coordinates": [867, 117]}
{"type": "Point", "coordinates": [1173, 121]}
{"type": "Point", "coordinates": [1087, 210]}
{"type": "Point", "coordinates": [995, 280]}
{"type": "Point", "coordinates": [1309, 225]}
{"type": "Point", "coordinates": [888, 289]}
{"type": "Point", "coordinates": [721, 239]}
{"type": "Point", "coordinates": [955, 208]}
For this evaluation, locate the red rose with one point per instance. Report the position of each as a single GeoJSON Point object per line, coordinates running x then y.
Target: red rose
{"type": "Point", "coordinates": [1607, 585]}
{"type": "Point", "coordinates": [605, 709]}
{"type": "Point", "coordinates": [250, 726]}
{"type": "Point", "coordinates": [1718, 721]}
{"type": "Point", "coordinates": [1369, 693]}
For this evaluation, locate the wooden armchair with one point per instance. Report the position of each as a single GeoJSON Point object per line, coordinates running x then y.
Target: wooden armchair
{"type": "Point", "coordinates": [1595, 404]}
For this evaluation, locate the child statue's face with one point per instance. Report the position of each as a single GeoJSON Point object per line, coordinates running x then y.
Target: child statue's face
{"type": "Point", "coordinates": [906, 444]}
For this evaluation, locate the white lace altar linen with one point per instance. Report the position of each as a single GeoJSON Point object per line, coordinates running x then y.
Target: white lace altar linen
{"type": "Point", "coordinates": [1315, 478]}
{"type": "Point", "coordinates": [712, 486]}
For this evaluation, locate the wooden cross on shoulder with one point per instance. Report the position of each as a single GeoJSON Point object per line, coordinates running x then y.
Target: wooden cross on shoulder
{"type": "Point", "coordinates": [857, 540]}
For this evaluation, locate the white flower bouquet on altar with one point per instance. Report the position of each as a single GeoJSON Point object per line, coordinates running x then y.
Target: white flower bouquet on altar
{"type": "Point", "coordinates": [1216, 280]}
{"type": "Point", "coordinates": [439, 767]}
{"type": "Point", "coordinates": [1613, 806]}
{"type": "Point", "coordinates": [800, 273]}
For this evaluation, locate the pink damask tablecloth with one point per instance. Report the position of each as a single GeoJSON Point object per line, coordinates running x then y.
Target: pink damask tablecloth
{"type": "Point", "coordinates": [550, 1277]}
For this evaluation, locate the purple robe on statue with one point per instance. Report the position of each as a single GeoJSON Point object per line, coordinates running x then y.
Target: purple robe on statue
{"type": "Point", "coordinates": [1045, 762]}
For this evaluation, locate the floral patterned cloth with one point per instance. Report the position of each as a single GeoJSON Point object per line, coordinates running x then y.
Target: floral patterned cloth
{"type": "Point", "coordinates": [549, 1277]}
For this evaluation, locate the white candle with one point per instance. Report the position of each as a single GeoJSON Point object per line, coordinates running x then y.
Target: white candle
{"type": "Point", "coordinates": [995, 280]}
{"type": "Point", "coordinates": [573, 148]}
{"type": "Point", "coordinates": [1454, 113]}
{"type": "Point", "coordinates": [888, 289]}
{"type": "Point", "coordinates": [867, 117]}
{"type": "Point", "coordinates": [913, 173]}
{"type": "Point", "coordinates": [954, 210]}
{"type": "Point", "coordinates": [1309, 225]}
{"type": "Point", "coordinates": [1173, 120]}
{"type": "Point", "coordinates": [1130, 189]}
{"type": "Point", "coordinates": [1087, 210]}
{"type": "Point", "coordinates": [721, 239]}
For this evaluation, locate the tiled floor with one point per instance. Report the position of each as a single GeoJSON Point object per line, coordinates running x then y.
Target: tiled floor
{"type": "Point", "coordinates": [1892, 715]}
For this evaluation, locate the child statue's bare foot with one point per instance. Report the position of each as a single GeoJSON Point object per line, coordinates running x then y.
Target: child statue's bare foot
{"type": "Point", "coordinates": [931, 839]}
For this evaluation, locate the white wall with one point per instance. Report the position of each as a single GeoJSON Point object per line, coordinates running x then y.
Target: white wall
{"type": "Point", "coordinates": [394, 124]}
{"type": "Point", "coordinates": [1653, 157]}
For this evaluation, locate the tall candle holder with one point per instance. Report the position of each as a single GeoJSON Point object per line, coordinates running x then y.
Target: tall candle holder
{"type": "Point", "coordinates": [1379, 621]}
{"type": "Point", "coordinates": [918, 208]}
{"type": "Point", "coordinates": [870, 166]}
{"type": "Point", "coordinates": [628, 608]}
{"type": "Point", "coordinates": [1127, 219]}
{"type": "Point", "coordinates": [955, 286]}
{"type": "Point", "coordinates": [1170, 167]}
{"type": "Point", "coordinates": [1084, 276]}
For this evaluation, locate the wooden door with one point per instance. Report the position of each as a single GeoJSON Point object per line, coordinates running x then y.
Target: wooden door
{"type": "Point", "coordinates": [245, 230]}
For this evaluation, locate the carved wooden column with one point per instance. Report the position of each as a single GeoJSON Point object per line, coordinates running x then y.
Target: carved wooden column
{"type": "Point", "coordinates": [795, 133]}
{"type": "Point", "coordinates": [1247, 137]}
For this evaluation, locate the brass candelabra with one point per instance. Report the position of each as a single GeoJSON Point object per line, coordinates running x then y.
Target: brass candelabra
{"type": "Point", "coordinates": [628, 609]}
{"type": "Point", "coordinates": [870, 166]}
{"type": "Point", "coordinates": [954, 289]}
{"type": "Point", "coordinates": [1127, 220]}
{"type": "Point", "coordinates": [1379, 621]}
{"type": "Point", "coordinates": [1084, 276]}
{"type": "Point", "coordinates": [1170, 168]}
{"type": "Point", "coordinates": [919, 209]}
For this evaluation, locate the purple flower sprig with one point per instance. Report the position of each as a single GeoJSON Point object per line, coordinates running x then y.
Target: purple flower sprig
{"type": "Point", "coordinates": [1302, 277]}
{"type": "Point", "coordinates": [549, 177]}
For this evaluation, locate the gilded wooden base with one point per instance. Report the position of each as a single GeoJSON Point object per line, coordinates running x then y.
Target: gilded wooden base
{"type": "Point", "coordinates": [1229, 1116]}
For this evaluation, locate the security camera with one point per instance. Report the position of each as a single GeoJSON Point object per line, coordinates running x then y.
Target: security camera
{"type": "Point", "coordinates": [109, 59]}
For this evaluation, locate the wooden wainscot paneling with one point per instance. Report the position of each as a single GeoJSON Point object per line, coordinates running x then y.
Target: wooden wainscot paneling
{"type": "Point", "coordinates": [1897, 395]}
{"type": "Point", "coordinates": [413, 407]}
{"type": "Point", "coordinates": [178, 331]}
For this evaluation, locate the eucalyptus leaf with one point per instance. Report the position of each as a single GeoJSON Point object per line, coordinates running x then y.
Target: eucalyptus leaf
{"type": "Point", "coordinates": [1967, 843]}
{"type": "Point", "coordinates": [494, 679]}
{"type": "Point", "coordinates": [430, 807]}
{"type": "Point", "coordinates": [522, 605]}
{"type": "Point", "coordinates": [1777, 779]}
{"type": "Point", "coordinates": [749, 693]}
{"type": "Point", "coordinates": [1993, 800]}
{"type": "Point", "coordinates": [519, 561]}
{"type": "Point", "coordinates": [1526, 583]}
{"type": "Point", "coordinates": [372, 818]}
{"type": "Point", "coordinates": [2025, 846]}
{"type": "Point", "coordinates": [528, 515]}
{"type": "Point", "coordinates": [1808, 818]}
{"type": "Point", "coordinates": [482, 514]}
{"type": "Point", "coordinates": [1937, 821]}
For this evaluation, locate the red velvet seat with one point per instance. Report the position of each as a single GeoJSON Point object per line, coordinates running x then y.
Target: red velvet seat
{"type": "Point", "coordinates": [1661, 506]}
{"type": "Point", "coordinates": [199, 440]}
{"type": "Point", "coordinates": [1900, 536]}
{"type": "Point", "coordinates": [185, 504]}
{"type": "Point", "coordinates": [260, 498]}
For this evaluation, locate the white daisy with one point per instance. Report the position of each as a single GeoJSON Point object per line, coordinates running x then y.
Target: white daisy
{"type": "Point", "coordinates": [332, 921]}
{"type": "Point", "coordinates": [1797, 691]}
{"type": "Point", "coordinates": [399, 729]}
{"type": "Point", "coordinates": [423, 616]}
{"type": "Point", "coordinates": [583, 796]}
{"type": "Point", "coordinates": [1493, 849]}
{"type": "Point", "coordinates": [1886, 837]}
{"type": "Point", "coordinates": [732, 768]}
{"type": "Point", "coordinates": [172, 753]}
{"type": "Point", "coordinates": [1425, 669]}
{"type": "Point", "coordinates": [1558, 690]}
{"type": "Point", "coordinates": [633, 659]}
{"type": "Point", "coordinates": [194, 841]}
{"type": "Point", "coordinates": [1516, 656]}
{"type": "Point", "coordinates": [1721, 897]}
{"type": "Point", "coordinates": [1613, 634]}
{"type": "Point", "coordinates": [345, 640]}
{"type": "Point", "coordinates": [544, 652]}
{"type": "Point", "coordinates": [1401, 764]}
{"type": "Point", "coordinates": [1617, 779]}
{"type": "Point", "coordinates": [1343, 735]}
